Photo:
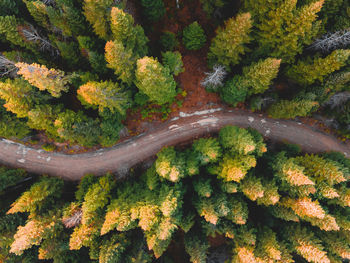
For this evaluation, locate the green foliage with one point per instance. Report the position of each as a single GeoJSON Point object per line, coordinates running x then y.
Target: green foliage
{"type": "Point", "coordinates": [173, 60]}
{"type": "Point", "coordinates": [105, 94]}
{"type": "Point", "coordinates": [210, 6]}
{"type": "Point", "coordinates": [8, 7]}
{"type": "Point", "coordinates": [228, 45]}
{"type": "Point", "coordinates": [308, 71]}
{"type": "Point", "coordinates": [234, 91]}
{"type": "Point", "coordinates": [9, 27]}
{"type": "Point", "coordinates": [283, 29]}
{"type": "Point", "coordinates": [18, 95]}
{"type": "Point", "coordinates": [10, 126]}
{"type": "Point", "coordinates": [168, 41]}
{"type": "Point", "coordinates": [248, 206]}
{"type": "Point", "coordinates": [97, 13]}
{"type": "Point", "coordinates": [193, 36]}
{"type": "Point", "coordinates": [155, 80]}
{"type": "Point", "coordinates": [39, 197]}
{"type": "Point", "coordinates": [287, 109]}
{"type": "Point", "coordinates": [10, 177]}
{"type": "Point", "coordinates": [207, 150]}
{"type": "Point", "coordinates": [153, 9]}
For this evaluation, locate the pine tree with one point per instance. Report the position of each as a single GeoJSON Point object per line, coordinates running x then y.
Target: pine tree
{"type": "Point", "coordinates": [98, 14]}
{"type": "Point", "coordinates": [173, 61]}
{"type": "Point", "coordinates": [309, 71]}
{"type": "Point", "coordinates": [18, 95]}
{"type": "Point", "coordinates": [288, 109]}
{"type": "Point", "coordinates": [227, 46]}
{"type": "Point", "coordinates": [121, 60]}
{"type": "Point", "coordinates": [105, 94]}
{"type": "Point", "coordinates": [306, 244]}
{"type": "Point", "coordinates": [42, 117]}
{"type": "Point", "coordinates": [237, 140]}
{"type": "Point", "coordinates": [193, 36]}
{"type": "Point", "coordinates": [196, 246]}
{"type": "Point", "coordinates": [153, 9]}
{"type": "Point", "coordinates": [38, 196]}
{"type": "Point", "coordinates": [285, 30]}
{"type": "Point", "coordinates": [258, 76]}
{"type": "Point", "coordinates": [207, 150]}
{"type": "Point", "coordinates": [155, 80]}
{"type": "Point", "coordinates": [234, 91]}
{"type": "Point", "coordinates": [169, 165]}
{"type": "Point", "coordinates": [10, 27]}
{"type": "Point", "coordinates": [52, 80]}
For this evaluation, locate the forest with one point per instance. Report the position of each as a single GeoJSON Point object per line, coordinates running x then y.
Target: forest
{"type": "Point", "coordinates": [75, 72]}
{"type": "Point", "coordinates": [228, 197]}
{"type": "Point", "coordinates": [82, 75]}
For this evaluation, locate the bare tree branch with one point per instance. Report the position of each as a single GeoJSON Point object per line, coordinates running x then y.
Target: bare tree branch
{"type": "Point", "coordinates": [31, 34]}
{"type": "Point", "coordinates": [214, 79]}
{"type": "Point", "coordinates": [332, 41]}
{"type": "Point", "coordinates": [74, 220]}
{"type": "Point", "coordinates": [6, 66]}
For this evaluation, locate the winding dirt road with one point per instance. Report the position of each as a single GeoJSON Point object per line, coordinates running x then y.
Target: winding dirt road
{"type": "Point", "coordinates": [120, 158]}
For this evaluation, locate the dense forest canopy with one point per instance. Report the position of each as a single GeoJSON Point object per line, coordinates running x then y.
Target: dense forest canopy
{"type": "Point", "coordinates": [229, 196]}
{"type": "Point", "coordinates": [74, 72]}
{"type": "Point", "coordinates": [71, 69]}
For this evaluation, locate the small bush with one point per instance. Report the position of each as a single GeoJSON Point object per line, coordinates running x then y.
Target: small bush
{"type": "Point", "coordinates": [168, 41]}
{"type": "Point", "coordinates": [173, 61]}
{"type": "Point", "coordinates": [193, 36]}
{"type": "Point", "coordinates": [232, 92]}
{"type": "Point", "coordinates": [49, 147]}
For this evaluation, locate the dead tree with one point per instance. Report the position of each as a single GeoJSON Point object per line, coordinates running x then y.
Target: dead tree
{"type": "Point", "coordinates": [215, 78]}
{"type": "Point", "coordinates": [332, 41]}
{"type": "Point", "coordinates": [73, 220]}
{"type": "Point", "coordinates": [32, 35]}
{"type": "Point", "coordinates": [6, 66]}
{"type": "Point", "coordinates": [338, 100]}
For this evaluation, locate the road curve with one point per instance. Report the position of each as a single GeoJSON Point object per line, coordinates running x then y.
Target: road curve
{"type": "Point", "coordinates": [120, 158]}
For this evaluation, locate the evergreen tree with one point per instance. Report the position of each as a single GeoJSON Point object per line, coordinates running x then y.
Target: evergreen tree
{"type": "Point", "coordinates": [169, 165]}
{"type": "Point", "coordinates": [155, 80]}
{"type": "Point", "coordinates": [285, 30]}
{"type": "Point", "coordinates": [153, 9]}
{"type": "Point", "coordinates": [309, 71]}
{"type": "Point", "coordinates": [193, 36]}
{"type": "Point", "coordinates": [18, 95]}
{"type": "Point", "coordinates": [39, 197]}
{"type": "Point", "coordinates": [173, 60]}
{"type": "Point", "coordinates": [207, 150]}
{"type": "Point", "coordinates": [104, 95]}
{"type": "Point", "coordinates": [121, 60]}
{"type": "Point", "coordinates": [237, 140]}
{"type": "Point", "coordinates": [227, 46]}
{"type": "Point", "coordinates": [52, 80]}
{"type": "Point", "coordinates": [288, 109]}
{"type": "Point", "coordinates": [258, 76]}
{"type": "Point", "coordinates": [97, 12]}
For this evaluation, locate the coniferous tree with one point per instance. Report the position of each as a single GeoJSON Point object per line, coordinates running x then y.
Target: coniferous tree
{"type": "Point", "coordinates": [153, 9]}
{"type": "Point", "coordinates": [18, 95]}
{"type": "Point", "coordinates": [98, 14]}
{"type": "Point", "coordinates": [284, 30]}
{"type": "Point", "coordinates": [173, 60]}
{"type": "Point", "coordinates": [309, 71]}
{"type": "Point", "coordinates": [227, 46]}
{"type": "Point", "coordinates": [287, 109]}
{"type": "Point", "coordinates": [155, 80]}
{"type": "Point", "coordinates": [104, 95]}
{"type": "Point", "coordinates": [52, 80]}
{"type": "Point", "coordinates": [193, 36]}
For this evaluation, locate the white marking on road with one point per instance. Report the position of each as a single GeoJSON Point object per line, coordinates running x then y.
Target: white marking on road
{"type": "Point", "coordinates": [263, 121]}
{"type": "Point", "coordinates": [173, 127]}
{"type": "Point", "coordinates": [267, 132]}
{"type": "Point", "coordinates": [21, 161]}
{"type": "Point", "coordinates": [250, 119]}
{"type": "Point", "coordinates": [206, 121]}
{"type": "Point", "coordinates": [184, 114]}
{"type": "Point", "coordinates": [48, 159]}
{"type": "Point", "coordinates": [299, 123]}
{"type": "Point", "coordinates": [175, 119]}
{"type": "Point", "coordinates": [134, 144]}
